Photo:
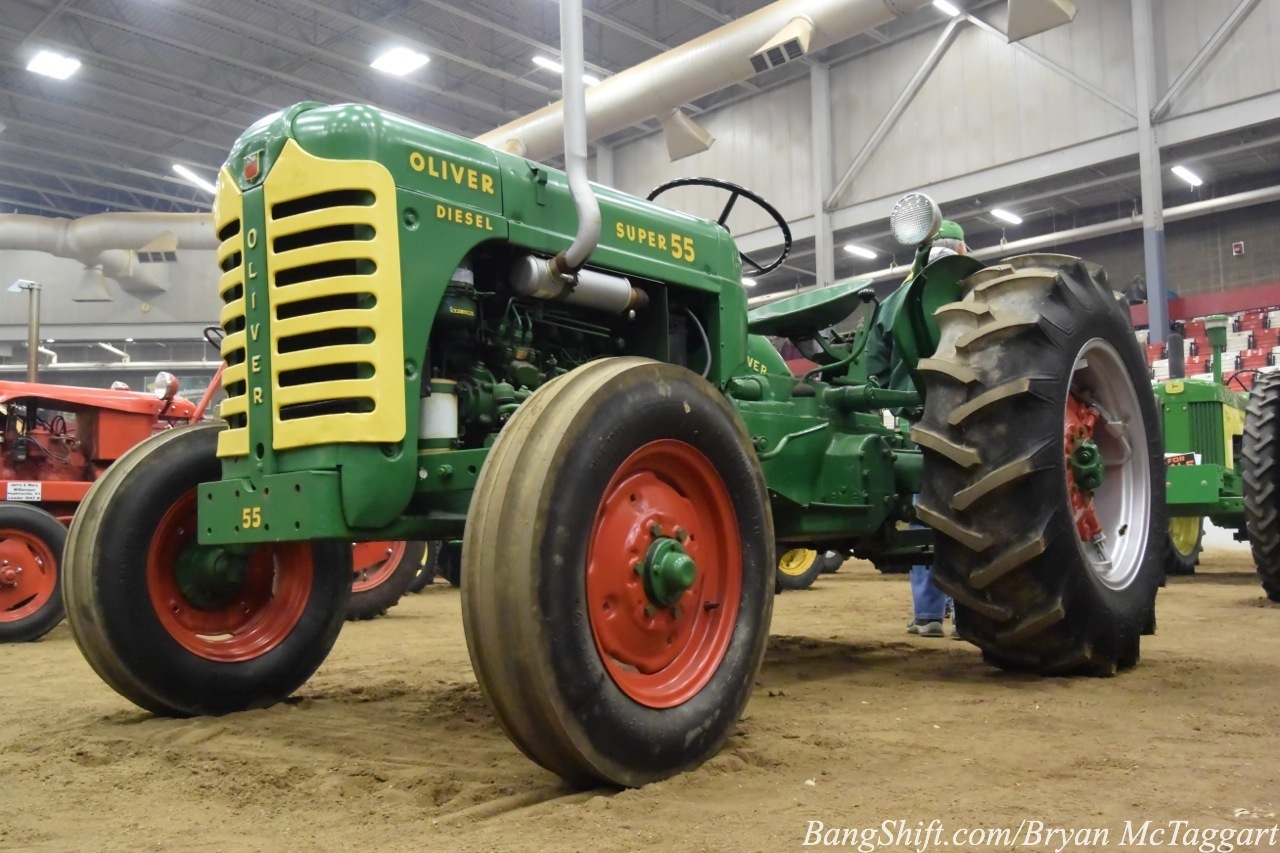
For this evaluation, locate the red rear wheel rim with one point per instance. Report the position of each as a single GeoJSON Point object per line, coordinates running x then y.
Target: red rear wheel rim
{"type": "Point", "coordinates": [266, 607]}
{"type": "Point", "coordinates": [28, 574]}
{"type": "Point", "coordinates": [374, 563]}
{"type": "Point", "coordinates": [661, 657]}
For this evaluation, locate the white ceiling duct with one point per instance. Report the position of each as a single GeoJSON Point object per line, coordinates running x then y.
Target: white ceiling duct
{"type": "Point", "coordinates": [697, 68]}
{"type": "Point", "coordinates": [110, 242]}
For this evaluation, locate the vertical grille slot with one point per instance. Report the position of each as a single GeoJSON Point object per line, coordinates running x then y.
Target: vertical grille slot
{"type": "Point", "coordinates": [1206, 424]}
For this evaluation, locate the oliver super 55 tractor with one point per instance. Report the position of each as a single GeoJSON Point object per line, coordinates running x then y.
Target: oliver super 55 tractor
{"type": "Point", "coordinates": [412, 355]}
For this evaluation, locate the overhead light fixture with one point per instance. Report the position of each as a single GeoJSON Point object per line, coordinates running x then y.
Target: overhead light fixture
{"type": "Point", "coordinates": [747, 281]}
{"type": "Point", "coordinates": [860, 251]}
{"type": "Point", "coordinates": [1188, 175]}
{"type": "Point", "coordinates": [949, 8]}
{"type": "Point", "coordinates": [53, 65]}
{"type": "Point", "coordinates": [194, 178]}
{"type": "Point", "coordinates": [552, 65]}
{"type": "Point", "coordinates": [1006, 216]}
{"type": "Point", "coordinates": [399, 61]}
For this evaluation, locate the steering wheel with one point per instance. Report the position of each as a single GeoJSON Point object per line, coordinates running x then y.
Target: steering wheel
{"type": "Point", "coordinates": [734, 192]}
{"type": "Point", "coordinates": [1235, 377]}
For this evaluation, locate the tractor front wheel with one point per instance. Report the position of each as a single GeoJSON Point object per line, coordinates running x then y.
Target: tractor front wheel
{"type": "Point", "coordinates": [31, 543]}
{"type": "Point", "coordinates": [1044, 471]}
{"type": "Point", "coordinates": [384, 571]}
{"type": "Point", "coordinates": [618, 566]}
{"type": "Point", "coordinates": [1186, 533]}
{"type": "Point", "coordinates": [185, 629]}
{"type": "Point", "coordinates": [427, 567]}
{"type": "Point", "coordinates": [799, 568]}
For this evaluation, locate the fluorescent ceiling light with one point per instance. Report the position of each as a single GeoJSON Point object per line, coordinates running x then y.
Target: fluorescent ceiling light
{"type": "Point", "coordinates": [194, 178]}
{"type": "Point", "coordinates": [860, 251]}
{"type": "Point", "coordinates": [748, 281]}
{"type": "Point", "coordinates": [1006, 216]}
{"type": "Point", "coordinates": [400, 61]}
{"type": "Point", "coordinates": [54, 65]}
{"type": "Point", "coordinates": [946, 7]}
{"type": "Point", "coordinates": [1187, 175]}
{"type": "Point", "coordinates": [552, 65]}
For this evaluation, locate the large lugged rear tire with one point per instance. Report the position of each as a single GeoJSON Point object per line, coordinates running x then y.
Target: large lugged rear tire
{"type": "Point", "coordinates": [427, 566]}
{"type": "Point", "coordinates": [383, 573]}
{"type": "Point", "coordinates": [617, 573]}
{"type": "Point", "coordinates": [1038, 387]}
{"type": "Point", "coordinates": [1261, 472]}
{"type": "Point", "coordinates": [1186, 533]}
{"type": "Point", "coordinates": [183, 629]}
{"type": "Point", "coordinates": [31, 544]}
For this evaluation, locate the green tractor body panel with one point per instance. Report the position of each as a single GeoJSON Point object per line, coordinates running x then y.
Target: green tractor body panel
{"type": "Point", "coordinates": [1203, 425]}
{"type": "Point", "coordinates": [349, 329]}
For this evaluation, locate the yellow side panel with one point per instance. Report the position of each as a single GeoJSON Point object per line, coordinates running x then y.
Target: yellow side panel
{"type": "Point", "coordinates": [298, 175]}
{"type": "Point", "coordinates": [1232, 425]}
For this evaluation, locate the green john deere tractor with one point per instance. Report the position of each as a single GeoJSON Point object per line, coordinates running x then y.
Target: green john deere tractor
{"type": "Point", "coordinates": [1223, 462]}
{"type": "Point", "coordinates": [617, 445]}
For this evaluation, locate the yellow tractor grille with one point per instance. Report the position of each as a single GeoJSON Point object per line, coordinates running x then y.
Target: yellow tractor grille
{"type": "Point", "coordinates": [337, 354]}
{"type": "Point", "coordinates": [227, 211]}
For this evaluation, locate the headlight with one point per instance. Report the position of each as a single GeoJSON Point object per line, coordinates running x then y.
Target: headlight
{"type": "Point", "coordinates": [916, 218]}
{"type": "Point", "coordinates": [165, 386]}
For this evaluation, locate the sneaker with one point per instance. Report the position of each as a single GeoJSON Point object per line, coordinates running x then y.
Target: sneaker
{"type": "Point", "coordinates": [929, 629]}
{"type": "Point", "coordinates": [912, 627]}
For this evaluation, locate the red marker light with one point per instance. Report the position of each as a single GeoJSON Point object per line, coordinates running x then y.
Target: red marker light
{"type": "Point", "coordinates": [251, 166]}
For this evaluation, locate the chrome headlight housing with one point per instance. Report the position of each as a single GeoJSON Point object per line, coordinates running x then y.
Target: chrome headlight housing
{"type": "Point", "coordinates": [916, 219]}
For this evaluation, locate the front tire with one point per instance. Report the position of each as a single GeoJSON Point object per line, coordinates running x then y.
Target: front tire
{"type": "Point", "coordinates": [1261, 472]}
{"type": "Point", "coordinates": [1043, 469]}
{"type": "Point", "coordinates": [799, 568]}
{"type": "Point", "coordinates": [182, 629]}
{"type": "Point", "coordinates": [1184, 544]}
{"type": "Point", "coordinates": [31, 545]}
{"type": "Point", "coordinates": [617, 573]}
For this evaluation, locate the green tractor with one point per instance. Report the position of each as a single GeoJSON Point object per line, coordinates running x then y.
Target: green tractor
{"type": "Point", "coordinates": [1222, 462]}
{"type": "Point", "coordinates": [412, 354]}
{"type": "Point", "coordinates": [1203, 430]}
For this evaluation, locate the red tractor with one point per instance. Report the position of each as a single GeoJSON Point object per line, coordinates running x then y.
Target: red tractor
{"type": "Point", "coordinates": [56, 440]}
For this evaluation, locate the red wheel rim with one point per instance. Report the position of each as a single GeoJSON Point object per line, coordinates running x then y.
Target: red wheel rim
{"type": "Point", "coordinates": [1081, 424]}
{"type": "Point", "coordinates": [28, 574]}
{"type": "Point", "coordinates": [662, 656]}
{"type": "Point", "coordinates": [266, 607]}
{"type": "Point", "coordinates": [375, 562]}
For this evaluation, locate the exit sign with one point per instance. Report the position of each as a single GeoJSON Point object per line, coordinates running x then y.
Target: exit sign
{"type": "Point", "coordinates": [1237, 249]}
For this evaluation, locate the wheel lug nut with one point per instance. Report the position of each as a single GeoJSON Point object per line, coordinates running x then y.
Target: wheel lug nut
{"type": "Point", "coordinates": [675, 613]}
{"type": "Point", "coordinates": [655, 530]}
{"type": "Point", "coordinates": [639, 568]}
{"type": "Point", "coordinates": [649, 610]}
{"type": "Point", "coordinates": [682, 535]}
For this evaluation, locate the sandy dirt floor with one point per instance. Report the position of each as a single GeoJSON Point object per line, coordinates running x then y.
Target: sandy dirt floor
{"type": "Point", "coordinates": [853, 723]}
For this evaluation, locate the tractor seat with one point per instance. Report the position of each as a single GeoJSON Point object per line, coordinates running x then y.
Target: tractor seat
{"type": "Point", "coordinates": [805, 314]}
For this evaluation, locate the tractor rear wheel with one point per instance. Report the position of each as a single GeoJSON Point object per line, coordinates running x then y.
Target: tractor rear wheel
{"type": "Point", "coordinates": [31, 543]}
{"type": "Point", "coordinates": [618, 566]}
{"type": "Point", "coordinates": [1261, 471]}
{"type": "Point", "coordinates": [383, 574]}
{"type": "Point", "coordinates": [1044, 473]}
{"type": "Point", "coordinates": [1184, 545]}
{"type": "Point", "coordinates": [185, 629]}
{"type": "Point", "coordinates": [799, 568]}
{"type": "Point", "coordinates": [426, 567]}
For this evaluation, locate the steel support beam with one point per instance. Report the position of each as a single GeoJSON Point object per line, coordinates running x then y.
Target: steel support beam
{"type": "Point", "coordinates": [821, 158]}
{"type": "Point", "coordinates": [895, 112]}
{"type": "Point", "coordinates": [1203, 58]}
{"type": "Point", "coordinates": [1149, 165]}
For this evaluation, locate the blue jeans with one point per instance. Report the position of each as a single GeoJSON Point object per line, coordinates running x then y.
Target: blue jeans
{"type": "Point", "coordinates": [929, 603]}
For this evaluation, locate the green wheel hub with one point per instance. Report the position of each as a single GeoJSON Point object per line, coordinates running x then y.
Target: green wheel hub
{"type": "Point", "coordinates": [1086, 463]}
{"type": "Point", "coordinates": [209, 578]}
{"type": "Point", "coordinates": [668, 571]}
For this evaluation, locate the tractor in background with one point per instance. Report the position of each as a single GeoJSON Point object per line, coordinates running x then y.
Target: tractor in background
{"type": "Point", "coordinates": [55, 441]}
